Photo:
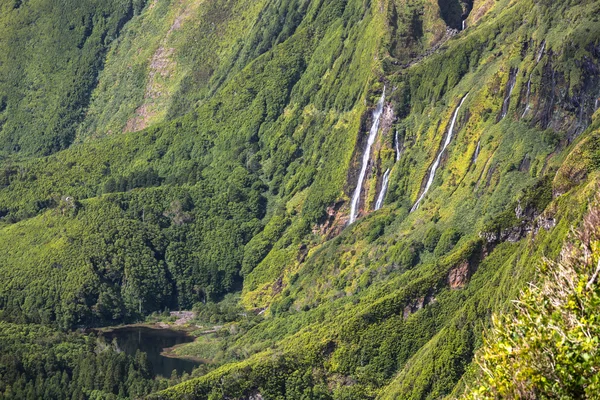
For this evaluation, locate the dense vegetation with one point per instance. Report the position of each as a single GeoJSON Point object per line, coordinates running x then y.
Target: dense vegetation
{"type": "Point", "coordinates": [547, 347]}
{"type": "Point", "coordinates": [169, 155]}
{"type": "Point", "coordinates": [51, 53]}
{"type": "Point", "coordinates": [39, 362]}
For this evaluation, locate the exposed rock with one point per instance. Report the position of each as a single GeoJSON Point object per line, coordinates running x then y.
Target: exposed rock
{"type": "Point", "coordinates": [525, 164]}
{"type": "Point", "coordinates": [387, 119]}
{"type": "Point", "coordinates": [277, 286]}
{"type": "Point", "coordinates": [302, 252]}
{"type": "Point", "coordinates": [450, 33]}
{"type": "Point", "coordinates": [333, 223]}
{"type": "Point", "coordinates": [459, 275]}
{"type": "Point", "coordinates": [418, 304]}
{"type": "Point", "coordinates": [183, 317]}
{"type": "Point", "coordinates": [530, 222]}
{"type": "Point", "coordinates": [480, 8]}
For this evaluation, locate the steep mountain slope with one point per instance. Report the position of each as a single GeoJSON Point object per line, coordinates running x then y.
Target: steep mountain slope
{"type": "Point", "coordinates": [217, 147]}
{"type": "Point", "coordinates": [51, 55]}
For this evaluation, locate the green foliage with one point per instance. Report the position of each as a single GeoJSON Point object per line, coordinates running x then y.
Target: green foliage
{"type": "Point", "coordinates": [149, 250]}
{"type": "Point", "coordinates": [432, 237]}
{"type": "Point", "coordinates": [38, 362]}
{"type": "Point", "coordinates": [227, 310]}
{"type": "Point", "coordinates": [447, 241]}
{"type": "Point", "coordinates": [51, 53]}
{"type": "Point", "coordinates": [547, 346]}
{"type": "Point", "coordinates": [217, 150]}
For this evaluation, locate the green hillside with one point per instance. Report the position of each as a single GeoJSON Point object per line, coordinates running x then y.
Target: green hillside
{"type": "Point", "coordinates": [175, 155]}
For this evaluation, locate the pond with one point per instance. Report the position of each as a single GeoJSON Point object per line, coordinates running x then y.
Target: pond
{"type": "Point", "coordinates": [153, 342]}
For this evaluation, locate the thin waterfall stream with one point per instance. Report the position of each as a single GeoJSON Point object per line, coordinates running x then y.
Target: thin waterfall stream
{"type": "Point", "coordinates": [384, 186]}
{"type": "Point", "coordinates": [477, 150]}
{"type": "Point", "coordinates": [386, 175]}
{"type": "Point", "coordinates": [512, 80]}
{"type": "Point", "coordinates": [397, 147]}
{"type": "Point", "coordinates": [528, 95]}
{"type": "Point", "coordinates": [366, 157]}
{"type": "Point", "coordinates": [438, 159]}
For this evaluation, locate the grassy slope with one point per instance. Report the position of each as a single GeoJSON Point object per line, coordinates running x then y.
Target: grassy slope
{"type": "Point", "coordinates": [277, 116]}
{"type": "Point", "coordinates": [237, 129]}
{"type": "Point", "coordinates": [50, 57]}
{"type": "Point", "coordinates": [334, 290]}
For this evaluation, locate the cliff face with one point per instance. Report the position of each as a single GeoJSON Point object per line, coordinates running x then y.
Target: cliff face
{"type": "Point", "coordinates": [217, 149]}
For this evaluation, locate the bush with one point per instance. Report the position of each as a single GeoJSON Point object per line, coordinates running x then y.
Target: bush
{"type": "Point", "coordinates": [432, 237]}
{"type": "Point", "coordinates": [447, 242]}
{"type": "Point", "coordinates": [548, 346]}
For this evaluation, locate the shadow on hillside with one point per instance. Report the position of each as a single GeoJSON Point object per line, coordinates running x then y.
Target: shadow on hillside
{"type": "Point", "coordinates": [453, 12]}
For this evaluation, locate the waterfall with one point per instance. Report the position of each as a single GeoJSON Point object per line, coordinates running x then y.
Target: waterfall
{"type": "Point", "coordinates": [527, 96]}
{"type": "Point", "coordinates": [541, 52]}
{"type": "Point", "coordinates": [464, 24]}
{"type": "Point", "coordinates": [397, 142]}
{"type": "Point", "coordinates": [366, 157]}
{"type": "Point", "coordinates": [537, 61]}
{"type": "Point", "coordinates": [477, 150]}
{"type": "Point", "coordinates": [512, 79]}
{"type": "Point", "coordinates": [384, 187]}
{"type": "Point", "coordinates": [386, 176]}
{"type": "Point", "coordinates": [436, 163]}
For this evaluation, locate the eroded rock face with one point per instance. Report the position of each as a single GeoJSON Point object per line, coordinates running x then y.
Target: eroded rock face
{"type": "Point", "coordinates": [387, 119]}
{"type": "Point", "coordinates": [333, 223]}
{"type": "Point", "coordinates": [418, 304]}
{"type": "Point", "coordinates": [480, 8]}
{"type": "Point", "coordinates": [528, 225]}
{"type": "Point", "coordinates": [277, 286]}
{"type": "Point", "coordinates": [459, 276]}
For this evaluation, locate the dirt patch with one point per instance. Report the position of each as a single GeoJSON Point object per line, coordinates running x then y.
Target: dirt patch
{"type": "Point", "coordinates": [480, 8]}
{"type": "Point", "coordinates": [161, 68]}
{"type": "Point", "coordinates": [183, 317]}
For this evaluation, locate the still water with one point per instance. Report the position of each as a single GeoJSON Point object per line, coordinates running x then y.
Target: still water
{"type": "Point", "coordinates": [153, 342]}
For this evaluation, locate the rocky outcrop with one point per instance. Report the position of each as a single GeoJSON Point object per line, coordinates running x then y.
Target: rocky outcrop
{"type": "Point", "coordinates": [459, 275]}
{"type": "Point", "coordinates": [480, 8]}
{"type": "Point", "coordinates": [332, 223]}
{"type": "Point", "coordinates": [417, 304]}
{"type": "Point", "coordinates": [450, 33]}
{"type": "Point", "coordinates": [557, 102]}
{"type": "Point", "coordinates": [528, 222]}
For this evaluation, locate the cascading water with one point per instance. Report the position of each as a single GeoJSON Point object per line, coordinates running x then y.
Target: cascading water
{"type": "Point", "coordinates": [527, 96]}
{"type": "Point", "coordinates": [537, 61]}
{"type": "Point", "coordinates": [541, 53]}
{"type": "Point", "coordinates": [436, 163]}
{"type": "Point", "coordinates": [384, 187]}
{"type": "Point", "coordinates": [512, 80]}
{"type": "Point", "coordinates": [477, 150]}
{"type": "Point", "coordinates": [397, 142]}
{"type": "Point", "coordinates": [366, 157]}
{"type": "Point", "coordinates": [386, 175]}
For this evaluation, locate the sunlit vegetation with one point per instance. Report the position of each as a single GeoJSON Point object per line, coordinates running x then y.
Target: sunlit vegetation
{"type": "Point", "coordinates": [546, 347]}
{"type": "Point", "coordinates": [171, 155]}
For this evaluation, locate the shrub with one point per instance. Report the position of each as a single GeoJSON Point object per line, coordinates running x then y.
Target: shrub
{"type": "Point", "coordinates": [548, 346]}
{"type": "Point", "coordinates": [447, 242]}
{"type": "Point", "coordinates": [432, 237]}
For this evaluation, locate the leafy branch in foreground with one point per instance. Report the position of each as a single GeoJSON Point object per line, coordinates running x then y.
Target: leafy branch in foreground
{"type": "Point", "coordinates": [548, 347]}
